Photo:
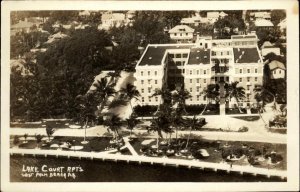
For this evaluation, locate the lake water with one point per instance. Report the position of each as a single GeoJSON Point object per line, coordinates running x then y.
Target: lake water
{"type": "Point", "coordinates": [99, 171]}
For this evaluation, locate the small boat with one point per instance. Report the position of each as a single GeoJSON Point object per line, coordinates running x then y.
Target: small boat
{"type": "Point", "coordinates": [203, 152]}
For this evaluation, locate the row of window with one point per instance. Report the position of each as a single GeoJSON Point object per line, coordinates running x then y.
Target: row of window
{"type": "Point", "coordinates": [207, 71]}
{"type": "Point", "coordinates": [249, 79]}
{"type": "Point", "coordinates": [221, 53]}
{"type": "Point", "coordinates": [150, 99]}
{"type": "Point", "coordinates": [149, 81]}
{"type": "Point", "coordinates": [197, 80]}
{"type": "Point", "coordinates": [237, 43]}
{"type": "Point", "coordinates": [180, 34]}
{"type": "Point", "coordinates": [149, 73]}
{"type": "Point", "coordinates": [247, 70]}
{"type": "Point", "coordinates": [279, 71]}
{"type": "Point", "coordinates": [178, 55]}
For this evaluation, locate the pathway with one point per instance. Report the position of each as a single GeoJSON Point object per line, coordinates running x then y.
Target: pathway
{"type": "Point", "coordinates": [222, 99]}
{"type": "Point", "coordinates": [129, 146]}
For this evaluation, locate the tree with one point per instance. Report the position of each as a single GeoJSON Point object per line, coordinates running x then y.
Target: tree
{"type": "Point", "coordinates": [38, 139]}
{"type": "Point", "coordinates": [103, 91]}
{"type": "Point", "coordinates": [132, 121]}
{"type": "Point", "coordinates": [177, 120]}
{"type": "Point", "coordinates": [193, 123]}
{"type": "Point", "coordinates": [114, 123]}
{"type": "Point", "coordinates": [49, 130]}
{"type": "Point", "coordinates": [233, 91]}
{"type": "Point", "coordinates": [180, 96]}
{"type": "Point", "coordinates": [277, 16]}
{"type": "Point", "coordinates": [113, 75]}
{"type": "Point", "coordinates": [159, 124]}
{"type": "Point", "coordinates": [211, 92]}
{"type": "Point", "coordinates": [130, 92]}
{"type": "Point", "coordinates": [165, 96]}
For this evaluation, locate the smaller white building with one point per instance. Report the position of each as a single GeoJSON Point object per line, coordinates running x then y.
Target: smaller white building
{"type": "Point", "coordinates": [263, 23]}
{"type": "Point", "coordinates": [110, 19]}
{"type": "Point", "coordinates": [268, 47]}
{"type": "Point", "coordinates": [182, 34]}
{"type": "Point", "coordinates": [277, 70]}
{"type": "Point", "coordinates": [260, 15]}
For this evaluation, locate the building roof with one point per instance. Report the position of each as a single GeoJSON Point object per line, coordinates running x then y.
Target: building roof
{"type": "Point", "coordinates": [263, 23]}
{"type": "Point", "coordinates": [243, 37]}
{"type": "Point", "coordinates": [84, 13]}
{"type": "Point", "coordinates": [22, 25]}
{"type": "Point", "coordinates": [282, 24]}
{"type": "Point", "coordinates": [113, 16]}
{"type": "Point", "coordinates": [216, 14]}
{"type": "Point", "coordinates": [276, 64]}
{"type": "Point", "coordinates": [181, 28]}
{"type": "Point", "coordinates": [199, 55]}
{"type": "Point", "coordinates": [154, 54]}
{"type": "Point", "coordinates": [267, 44]}
{"type": "Point", "coordinates": [246, 55]}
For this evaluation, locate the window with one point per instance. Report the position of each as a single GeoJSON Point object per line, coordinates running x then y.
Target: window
{"type": "Point", "coordinates": [142, 73]}
{"type": "Point", "coordinates": [149, 98]}
{"type": "Point", "coordinates": [186, 34]}
{"type": "Point", "coordinates": [204, 80]}
{"type": "Point", "coordinates": [155, 81]}
{"type": "Point", "coordinates": [143, 99]}
{"type": "Point", "coordinates": [248, 87]}
{"type": "Point", "coordinates": [177, 55]}
{"type": "Point", "coordinates": [191, 89]}
{"type": "Point", "coordinates": [156, 99]}
{"type": "Point", "coordinates": [204, 71]}
{"type": "Point", "coordinates": [149, 81]}
{"type": "Point", "coordinates": [191, 80]}
{"type": "Point", "coordinates": [142, 82]}
{"type": "Point", "coordinates": [279, 71]}
{"type": "Point", "coordinates": [198, 97]}
{"type": "Point", "coordinates": [241, 70]}
{"type": "Point", "coordinates": [142, 90]}
{"type": "Point", "coordinates": [248, 79]}
{"type": "Point", "coordinates": [191, 72]}
{"type": "Point", "coordinates": [148, 72]}
{"type": "Point", "coordinates": [255, 70]}
{"type": "Point", "coordinates": [175, 34]}
{"type": "Point", "coordinates": [197, 80]}
{"type": "Point", "coordinates": [248, 70]}
{"type": "Point", "coordinates": [274, 71]}
{"type": "Point", "coordinates": [191, 99]}
{"type": "Point", "coordinates": [178, 63]}
{"type": "Point", "coordinates": [185, 55]}
{"type": "Point", "coordinates": [241, 79]}
{"type": "Point", "coordinates": [204, 98]}
{"type": "Point", "coordinates": [255, 78]}
{"type": "Point", "coordinates": [155, 73]}
{"type": "Point", "coordinates": [149, 90]}
{"type": "Point", "coordinates": [197, 72]}
{"type": "Point", "coordinates": [198, 88]}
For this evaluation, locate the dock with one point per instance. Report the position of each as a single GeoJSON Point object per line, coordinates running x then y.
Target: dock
{"type": "Point", "coordinates": [216, 167]}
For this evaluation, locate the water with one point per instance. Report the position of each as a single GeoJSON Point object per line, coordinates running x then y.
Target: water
{"type": "Point", "coordinates": [99, 171]}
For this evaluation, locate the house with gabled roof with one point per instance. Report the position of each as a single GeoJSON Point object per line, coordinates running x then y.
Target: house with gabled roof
{"type": "Point", "coordinates": [182, 34]}
{"type": "Point", "coordinates": [277, 70]}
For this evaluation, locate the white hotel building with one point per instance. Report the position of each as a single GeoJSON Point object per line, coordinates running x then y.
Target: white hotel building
{"type": "Point", "coordinates": [195, 65]}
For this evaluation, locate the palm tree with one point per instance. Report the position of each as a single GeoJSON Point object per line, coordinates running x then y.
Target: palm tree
{"type": "Point", "coordinates": [114, 75]}
{"type": "Point", "coordinates": [114, 123]}
{"type": "Point", "coordinates": [159, 124]}
{"type": "Point", "coordinates": [177, 120]}
{"type": "Point", "coordinates": [130, 92]}
{"type": "Point", "coordinates": [164, 94]}
{"type": "Point", "coordinates": [103, 91]}
{"type": "Point", "coordinates": [38, 139]}
{"type": "Point", "coordinates": [180, 97]}
{"type": "Point", "coordinates": [132, 121]}
{"type": "Point", "coordinates": [193, 123]}
{"type": "Point", "coordinates": [49, 130]}
{"type": "Point", "coordinates": [211, 92]}
{"type": "Point", "coordinates": [233, 91]}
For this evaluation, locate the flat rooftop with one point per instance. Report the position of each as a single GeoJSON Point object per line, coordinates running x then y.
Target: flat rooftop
{"type": "Point", "coordinates": [248, 55]}
{"type": "Point", "coordinates": [199, 55]}
{"type": "Point", "coordinates": [154, 54]}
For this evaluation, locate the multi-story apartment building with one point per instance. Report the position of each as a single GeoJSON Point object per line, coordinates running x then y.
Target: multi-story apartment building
{"type": "Point", "coordinates": [195, 65]}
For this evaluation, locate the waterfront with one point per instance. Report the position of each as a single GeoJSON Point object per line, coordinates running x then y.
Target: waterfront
{"type": "Point", "coordinates": [98, 171]}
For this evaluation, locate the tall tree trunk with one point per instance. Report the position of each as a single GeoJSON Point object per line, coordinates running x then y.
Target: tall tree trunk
{"type": "Point", "coordinates": [157, 142]}
{"type": "Point", "coordinates": [187, 142]}
{"type": "Point", "coordinates": [204, 108]}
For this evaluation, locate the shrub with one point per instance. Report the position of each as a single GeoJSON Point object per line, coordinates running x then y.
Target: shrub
{"type": "Point", "coordinates": [257, 152]}
{"type": "Point", "coordinates": [194, 109]}
{"type": "Point", "coordinates": [243, 129]}
{"type": "Point", "coordinates": [145, 110]}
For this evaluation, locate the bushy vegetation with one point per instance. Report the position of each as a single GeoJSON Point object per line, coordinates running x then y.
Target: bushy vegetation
{"type": "Point", "coordinates": [145, 110]}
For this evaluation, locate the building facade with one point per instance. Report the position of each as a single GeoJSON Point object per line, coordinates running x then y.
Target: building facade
{"type": "Point", "coordinates": [193, 66]}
